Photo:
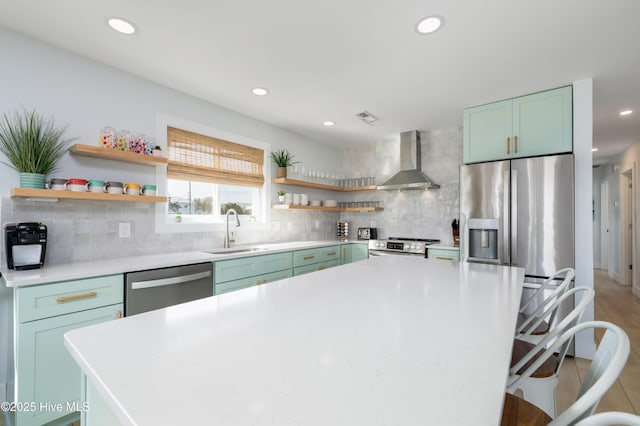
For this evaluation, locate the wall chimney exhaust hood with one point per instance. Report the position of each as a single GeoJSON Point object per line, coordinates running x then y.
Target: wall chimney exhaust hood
{"type": "Point", "coordinates": [410, 175]}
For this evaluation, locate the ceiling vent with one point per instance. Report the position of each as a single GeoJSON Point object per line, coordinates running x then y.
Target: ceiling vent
{"type": "Point", "coordinates": [367, 117]}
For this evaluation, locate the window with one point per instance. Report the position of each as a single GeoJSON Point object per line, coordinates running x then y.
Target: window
{"type": "Point", "coordinates": [206, 176]}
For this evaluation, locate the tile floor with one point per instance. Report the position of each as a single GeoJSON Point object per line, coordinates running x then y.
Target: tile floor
{"type": "Point", "coordinates": [614, 303]}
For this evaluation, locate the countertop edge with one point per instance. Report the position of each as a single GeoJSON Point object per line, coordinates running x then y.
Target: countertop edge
{"type": "Point", "coordinates": [101, 267]}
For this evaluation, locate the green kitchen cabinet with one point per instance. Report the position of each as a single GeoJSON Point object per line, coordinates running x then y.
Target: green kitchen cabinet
{"type": "Point", "coordinates": [241, 283]}
{"type": "Point", "coordinates": [354, 253]}
{"type": "Point", "coordinates": [316, 255]}
{"type": "Point", "coordinates": [536, 124]}
{"type": "Point", "coordinates": [300, 270]}
{"type": "Point", "coordinates": [46, 374]}
{"type": "Point", "coordinates": [235, 274]}
{"type": "Point", "coordinates": [316, 259]}
{"type": "Point", "coordinates": [452, 254]}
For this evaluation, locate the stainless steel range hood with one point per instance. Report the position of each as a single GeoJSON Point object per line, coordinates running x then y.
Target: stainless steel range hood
{"type": "Point", "coordinates": [410, 175]}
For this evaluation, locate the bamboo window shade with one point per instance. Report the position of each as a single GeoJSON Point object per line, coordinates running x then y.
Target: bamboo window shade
{"type": "Point", "coordinates": [205, 159]}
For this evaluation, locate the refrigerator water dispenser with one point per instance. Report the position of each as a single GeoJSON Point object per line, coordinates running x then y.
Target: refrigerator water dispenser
{"type": "Point", "coordinates": [483, 239]}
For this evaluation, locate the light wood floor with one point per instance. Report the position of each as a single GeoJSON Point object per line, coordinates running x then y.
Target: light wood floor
{"type": "Point", "coordinates": [614, 303]}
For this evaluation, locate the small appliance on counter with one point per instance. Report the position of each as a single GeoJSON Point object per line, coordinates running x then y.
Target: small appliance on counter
{"type": "Point", "coordinates": [367, 233]}
{"type": "Point", "coordinates": [26, 245]}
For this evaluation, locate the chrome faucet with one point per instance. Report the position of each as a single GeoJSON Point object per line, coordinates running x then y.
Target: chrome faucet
{"type": "Point", "coordinates": [227, 241]}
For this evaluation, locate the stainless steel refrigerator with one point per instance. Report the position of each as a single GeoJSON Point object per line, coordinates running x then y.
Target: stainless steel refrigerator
{"type": "Point", "coordinates": [520, 213]}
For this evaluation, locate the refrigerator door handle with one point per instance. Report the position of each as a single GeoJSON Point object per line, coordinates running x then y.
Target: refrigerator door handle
{"type": "Point", "coordinates": [505, 219]}
{"type": "Point", "coordinates": [514, 217]}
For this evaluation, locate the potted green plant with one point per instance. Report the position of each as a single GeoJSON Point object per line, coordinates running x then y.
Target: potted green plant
{"type": "Point", "coordinates": [281, 197]}
{"type": "Point", "coordinates": [283, 159]}
{"type": "Point", "coordinates": [157, 151]}
{"type": "Point", "coordinates": [32, 145]}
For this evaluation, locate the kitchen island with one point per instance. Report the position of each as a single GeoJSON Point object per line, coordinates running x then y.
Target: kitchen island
{"type": "Point", "coordinates": [389, 341]}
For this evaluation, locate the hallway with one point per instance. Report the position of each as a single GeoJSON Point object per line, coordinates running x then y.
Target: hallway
{"type": "Point", "coordinates": [614, 303]}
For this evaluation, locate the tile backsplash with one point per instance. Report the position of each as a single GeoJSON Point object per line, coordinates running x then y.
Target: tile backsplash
{"type": "Point", "coordinates": [88, 230]}
{"type": "Point", "coordinates": [420, 214]}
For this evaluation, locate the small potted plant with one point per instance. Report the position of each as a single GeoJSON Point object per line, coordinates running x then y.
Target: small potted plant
{"type": "Point", "coordinates": [157, 151]}
{"type": "Point", "coordinates": [33, 145]}
{"type": "Point", "coordinates": [281, 197]}
{"type": "Point", "coordinates": [283, 159]}
{"type": "Point", "coordinates": [178, 218]}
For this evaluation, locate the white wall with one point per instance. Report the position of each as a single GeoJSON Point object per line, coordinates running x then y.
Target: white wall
{"type": "Point", "coordinates": [582, 143]}
{"type": "Point", "coordinates": [90, 95]}
{"type": "Point", "coordinates": [628, 160]}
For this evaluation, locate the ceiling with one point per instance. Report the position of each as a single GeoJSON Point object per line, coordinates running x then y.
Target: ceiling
{"type": "Point", "coordinates": [331, 59]}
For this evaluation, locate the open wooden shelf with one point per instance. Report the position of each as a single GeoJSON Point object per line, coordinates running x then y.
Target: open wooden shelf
{"type": "Point", "coordinates": [114, 154]}
{"type": "Point", "coordinates": [95, 196]}
{"type": "Point", "coordinates": [295, 182]}
{"type": "Point", "coordinates": [327, 209]}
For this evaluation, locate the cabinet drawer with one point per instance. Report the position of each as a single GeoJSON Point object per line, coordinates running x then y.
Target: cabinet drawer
{"type": "Point", "coordinates": [235, 269]}
{"type": "Point", "coordinates": [49, 300]}
{"type": "Point", "coordinates": [251, 281]}
{"type": "Point", "coordinates": [316, 255]}
{"type": "Point", "coordinates": [444, 254]}
{"type": "Point", "coordinates": [315, 267]}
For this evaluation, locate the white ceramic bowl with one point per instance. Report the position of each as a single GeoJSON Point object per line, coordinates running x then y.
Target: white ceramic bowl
{"type": "Point", "coordinates": [315, 203]}
{"type": "Point", "coordinates": [329, 203]}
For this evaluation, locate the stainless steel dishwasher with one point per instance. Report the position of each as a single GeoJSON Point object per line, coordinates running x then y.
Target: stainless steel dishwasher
{"type": "Point", "coordinates": [159, 288]}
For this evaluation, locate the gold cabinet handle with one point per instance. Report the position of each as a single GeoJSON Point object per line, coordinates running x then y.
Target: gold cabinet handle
{"type": "Point", "coordinates": [333, 253]}
{"type": "Point", "coordinates": [77, 297]}
{"type": "Point", "coordinates": [308, 257]}
{"type": "Point", "coordinates": [508, 145]}
{"type": "Point", "coordinates": [444, 258]}
{"type": "Point", "coordinates": [261, 282]}
{"type": "Point", "coordinates": [320, 268]}
{"type": "Point", "coordinates": [119, 314]}
{"type": "Point", "coordinates": [515, 144]}
{"type": "Point", "coordinates": [344, 254]}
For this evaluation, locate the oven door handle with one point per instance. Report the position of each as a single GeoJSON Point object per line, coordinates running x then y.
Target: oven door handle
{"type": "Point", "coordinates": [138, 285]}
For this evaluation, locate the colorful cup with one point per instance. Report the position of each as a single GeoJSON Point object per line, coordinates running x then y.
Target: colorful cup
{"type": "Point", "coordinates": [76, 185]}
{"type": "Point", "coordinates": [131, 189]}
{"type": "Point", "coordinates": [95, 186]}
{"type": "Point", "coordinates": [113, 187]}
{"type": "Point", "coordinates": [56, 184]}
{"type": "Point", "coordinates": [149, 190]}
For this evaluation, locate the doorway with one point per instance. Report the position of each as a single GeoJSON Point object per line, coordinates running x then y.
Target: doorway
{"type": "Point", "coordinates": [628, 226]}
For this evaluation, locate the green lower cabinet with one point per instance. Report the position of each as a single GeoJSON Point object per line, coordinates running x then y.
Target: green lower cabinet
{"type": "Point", "coordinates": [315, 267]}
{"type": "Point", "coordinates": [354, 253]}
{"type": "Point", "coordinates": [251, 281]}
{"type": "Point", "coordinates": [46, 374]}
{"type": "Point", "coordinates": [444, 254]}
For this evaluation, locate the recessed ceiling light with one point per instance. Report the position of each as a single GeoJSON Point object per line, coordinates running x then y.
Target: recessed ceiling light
{"type": "Point", "coordinates": [430, 24]}
{"type": "Point", "coordinates": [594, 149]}
{"type": "Point", "coordinates": [626, 112]}
{"type": "Point", "coordinates": [329, 123]}
{"type": "Point", "coordinates": [259, 91]}
{"type": "Point", "coordinates": [121, 26]}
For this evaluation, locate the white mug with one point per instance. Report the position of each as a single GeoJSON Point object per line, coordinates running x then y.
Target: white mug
{"type": "Point", "coordinates": [304, 199]}
{"type": "Point", "coordinates": [288, 198]}
{"type": "Point", "coordinates": [296, 199]}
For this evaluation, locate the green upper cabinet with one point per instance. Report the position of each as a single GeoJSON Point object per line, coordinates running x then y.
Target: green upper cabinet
{"type": "Point", "coordinates": [537, 124]}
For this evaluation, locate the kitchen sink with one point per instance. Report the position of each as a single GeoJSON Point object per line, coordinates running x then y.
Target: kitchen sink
{"type": "Point", "coordinates": [234, 251]}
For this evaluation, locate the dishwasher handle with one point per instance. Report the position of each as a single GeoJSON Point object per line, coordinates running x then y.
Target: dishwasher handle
{"type": "Point", "coordinates": [138, 285]}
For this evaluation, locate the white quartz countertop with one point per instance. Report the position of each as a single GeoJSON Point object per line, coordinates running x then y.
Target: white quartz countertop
{"type": "Point", "coordinates": [393, 340]}
{"type": "Point", "coordinates": [95, 268]}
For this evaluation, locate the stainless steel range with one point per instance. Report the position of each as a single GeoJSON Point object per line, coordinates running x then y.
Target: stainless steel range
{"type": "Point", "coordinates": [400, 246]}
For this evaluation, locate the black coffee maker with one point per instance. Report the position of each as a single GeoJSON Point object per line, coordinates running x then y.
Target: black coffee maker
{"type": "Point", "coordinates": [26, 245]}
